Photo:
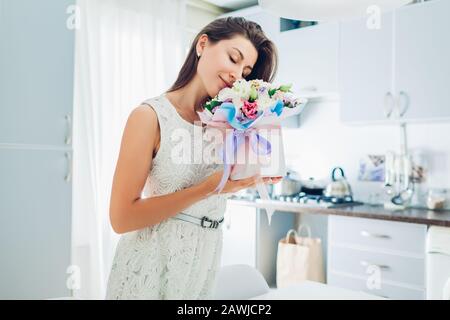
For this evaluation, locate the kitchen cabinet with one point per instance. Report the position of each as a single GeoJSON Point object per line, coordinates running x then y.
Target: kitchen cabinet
{"type": "Point", "coordinates": [422, 64]}
{"type": "Point", "coordinates": [239, 236]}
{"type": "Point", "coordinates": [308, 58]}
{"type": "Point", "coordinates": [365, 69]}
{"type": "Point", "coordinates": [36, 78]}
{"type": "Point", "coordinates": [248, 239]}
{"type": "Point", "coordinates": [36, 102]}
{"type": "Point", "coordinates": [385, 258]}
{"type": "Point", "coordinates": [400, 69]}
{"type": "Point", "coordinates": [268, 22]}
{"type": "Point", "coordinates": [35, 223]}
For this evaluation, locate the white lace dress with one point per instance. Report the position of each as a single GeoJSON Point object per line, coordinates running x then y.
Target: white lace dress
{"type": "Point", "coordinates": [174, 259]}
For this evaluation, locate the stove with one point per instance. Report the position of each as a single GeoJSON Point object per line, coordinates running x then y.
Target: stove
{"type": "Point", "coordinates": [309, 200]}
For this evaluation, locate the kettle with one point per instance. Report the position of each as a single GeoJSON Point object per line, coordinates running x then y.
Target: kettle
{"type": "Point", "coordinates": [338, 188]}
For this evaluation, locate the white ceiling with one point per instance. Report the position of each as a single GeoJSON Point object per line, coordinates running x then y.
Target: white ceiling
{"type": "Point", "coordinates": [233, 4]}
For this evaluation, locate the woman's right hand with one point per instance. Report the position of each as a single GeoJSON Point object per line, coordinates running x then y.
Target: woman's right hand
{"type": "Point", "coordinates": [232, 186]}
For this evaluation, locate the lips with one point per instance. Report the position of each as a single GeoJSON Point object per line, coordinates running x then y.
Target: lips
{"type": "Point", "coordinates": [224, 83]}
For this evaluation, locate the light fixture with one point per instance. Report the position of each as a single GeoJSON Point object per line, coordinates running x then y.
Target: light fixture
{"type": "Point", "coordinates": [325, 10]}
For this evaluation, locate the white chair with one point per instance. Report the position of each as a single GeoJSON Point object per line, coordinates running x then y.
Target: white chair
{"type": "Point", "coordinates": [240, 282]}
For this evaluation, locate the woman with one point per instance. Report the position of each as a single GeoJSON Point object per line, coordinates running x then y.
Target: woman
{"type": "Point", "coordinates": [167, 251]}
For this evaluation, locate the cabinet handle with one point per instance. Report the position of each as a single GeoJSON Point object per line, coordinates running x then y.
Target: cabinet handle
{"type": "Point", "coordinates": [405, 96]}
{"type": "Point", "coordinates": [388, 108]}
{"type": "Point", "coordinates": [68, 139]}
{"type": "Point", "coordinates": [366, 264]}
{"type": "Point", "coordinates": [368, 234]}
{"type": "Point", "coordinates": [68, 176]}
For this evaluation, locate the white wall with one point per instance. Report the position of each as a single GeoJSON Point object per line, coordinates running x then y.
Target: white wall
{"type": "Point", "coordinates": [322, 142]}
{"type": "Point", "coordinates": [198, 15]}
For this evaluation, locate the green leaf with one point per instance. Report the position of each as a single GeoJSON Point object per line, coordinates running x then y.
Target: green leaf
{"type": "Point", "coordinates": [214, 103]}
{"type": "Point", "coordinates": [286, 87]}
{"type": "Point", "coordinates": [272, 92]}
{"type": "Point", "coordinates": [253, 94]}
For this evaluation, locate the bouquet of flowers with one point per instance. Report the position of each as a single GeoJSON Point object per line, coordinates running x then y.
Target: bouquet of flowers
{"type": "Point", "coordinates": [249, 115]}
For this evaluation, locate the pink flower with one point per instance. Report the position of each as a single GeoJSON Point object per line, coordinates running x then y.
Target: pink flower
{"type": "Point", "coordinates": [250, 109]}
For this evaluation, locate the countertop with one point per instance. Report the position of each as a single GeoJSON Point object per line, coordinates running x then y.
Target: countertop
{"type": "Point", "coordinates": [410, 215]}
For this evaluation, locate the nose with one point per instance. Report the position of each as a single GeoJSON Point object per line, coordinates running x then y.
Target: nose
{"type": "Point", "coordinates": [236, 74]}
{"type": "Point", "coordinates": [234, 78]}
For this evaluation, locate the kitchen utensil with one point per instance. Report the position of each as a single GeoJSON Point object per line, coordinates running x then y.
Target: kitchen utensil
{"type": "Point", "coordinates": [287, 186]}
{"type": "Point", "coordinates": [389, 173]}
{"type": "Point", "coordinates": [404, 186]}
{"type": "Point", "coordinates": [339, 187]}
{"type": "Point", "coordinates": [404, 196]}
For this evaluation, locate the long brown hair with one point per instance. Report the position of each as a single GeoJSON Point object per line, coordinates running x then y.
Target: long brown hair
{"type": "Point", "coordinates": [266, 65]}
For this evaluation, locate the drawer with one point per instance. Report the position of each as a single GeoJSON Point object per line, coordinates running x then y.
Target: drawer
{"type": "Point", "coordinates": [386, 290]}
{"type": "Point", "coordinates": [404, 269]}
{"type": "Point", "coordinates": [378, 234]}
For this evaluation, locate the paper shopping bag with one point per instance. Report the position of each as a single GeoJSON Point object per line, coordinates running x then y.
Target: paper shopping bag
{"type": "Point", "coordinates": [299, 259]}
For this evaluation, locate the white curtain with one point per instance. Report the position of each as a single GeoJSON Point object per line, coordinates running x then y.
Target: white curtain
{"type": "Point", "coordinates": [126, 51]}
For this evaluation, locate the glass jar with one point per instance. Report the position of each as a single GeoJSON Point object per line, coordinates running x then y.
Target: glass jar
{"type": "Point", "coordinates": [436, 198]}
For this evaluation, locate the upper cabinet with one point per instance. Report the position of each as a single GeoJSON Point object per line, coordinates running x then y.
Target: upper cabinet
{"type": "Point", "coordinates": [308, 59]}
{"type": "Point", "coordinates": [36, 77]}
{"type": "Point", "coordinates": [365, 69]}
{"type": "Point", "coordinates": [268, 22]}
{"type": "Point", "coordinates": [400, 70]}
{"type": "Point", "coordinates": [307, 56]}
{"type": "Point", "coordinates": [422, 60]}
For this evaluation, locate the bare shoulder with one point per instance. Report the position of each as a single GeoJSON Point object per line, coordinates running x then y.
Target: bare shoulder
{"type": "Point", "coordinates": [141, 133]}
{"type": "Point", "coordinates": [142, 121]}
{"type": "Point", "coordinates": [143, 115]}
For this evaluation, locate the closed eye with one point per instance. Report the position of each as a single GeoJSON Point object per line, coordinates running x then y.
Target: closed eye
{"type": "Point", "coordinates": [231, 59]}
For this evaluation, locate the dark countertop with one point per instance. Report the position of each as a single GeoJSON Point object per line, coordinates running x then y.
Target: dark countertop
{"type": "Point", "coordinates": [411, 215]}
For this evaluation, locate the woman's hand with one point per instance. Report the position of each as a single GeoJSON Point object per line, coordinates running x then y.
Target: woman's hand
{"type": "Point", "coordinates": [232, 186]}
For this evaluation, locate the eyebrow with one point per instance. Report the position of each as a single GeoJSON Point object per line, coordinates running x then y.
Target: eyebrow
{"type": "Point", "coordinates": [242, 57]}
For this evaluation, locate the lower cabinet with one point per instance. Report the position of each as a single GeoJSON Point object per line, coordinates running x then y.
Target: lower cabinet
{"type": "Point", "coordinates": [383, 258]}
{"type": "Point", "coordinates": [385, 290]}
{"type": "Point", "coordinates": [239, 235]}
{"type": "Point", "coordinates": [35, 222]}
{"type": "Point", "coordinates": [248, 239]}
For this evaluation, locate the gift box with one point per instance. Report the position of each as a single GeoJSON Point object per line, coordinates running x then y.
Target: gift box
{"type": "Point", "coordinates": [249, 117]}
{"type": "Point", "coordinates": [267, 164]}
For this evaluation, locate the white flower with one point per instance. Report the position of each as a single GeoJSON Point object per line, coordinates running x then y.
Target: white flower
{"type": "Point", "coordinates": [289, 98]}
{"type": "Point", "coordinates": [257, 83]}
{"type": "Point", "coordinates": [226, 93]}
{"type": "Point", "coordinates": [242, 88]}
{"type": "Point", "coordinates": [265, 102]}
{"type": "Point", "coordinates": [230, 94]}
{"type": "Point", "coordinates": [278, 95]}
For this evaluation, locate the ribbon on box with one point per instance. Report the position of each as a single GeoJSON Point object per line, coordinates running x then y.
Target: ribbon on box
{"type": "Point", "coordinates": [259, 145]}
{"type": "Point", "coordinates": [225, 118]}
{"type": "Point", "coordinates": [236, 137]}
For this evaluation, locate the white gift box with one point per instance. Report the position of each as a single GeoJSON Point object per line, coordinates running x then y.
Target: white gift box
{"type": "Point", "coordinates": [248, 163]}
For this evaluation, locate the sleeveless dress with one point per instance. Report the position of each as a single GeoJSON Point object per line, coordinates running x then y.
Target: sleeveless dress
{"type": "Point", "coordinates": [173, 259]}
